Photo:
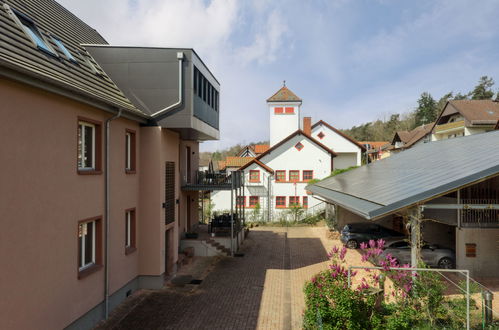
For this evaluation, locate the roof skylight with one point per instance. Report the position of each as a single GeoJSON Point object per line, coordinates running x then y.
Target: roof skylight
{"type": "Point", "coordinates": [33, 33]}
{"type": "Point", "coordinates": [64, 50]}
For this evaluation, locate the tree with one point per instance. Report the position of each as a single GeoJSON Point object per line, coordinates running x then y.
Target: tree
{"type": "Point", "coordinates": [483, 91]}
{"type": "Point", "coordinates": [426, 111]}
{"type": "Point", "coordinates": [255, 214]}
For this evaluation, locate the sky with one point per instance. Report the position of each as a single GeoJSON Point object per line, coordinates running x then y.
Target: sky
{"type": "Point", "coordinates": [351, 61]}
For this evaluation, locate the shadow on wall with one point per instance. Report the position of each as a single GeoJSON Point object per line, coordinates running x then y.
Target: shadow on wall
{"type": "Point", "coordinates": [231, 295]}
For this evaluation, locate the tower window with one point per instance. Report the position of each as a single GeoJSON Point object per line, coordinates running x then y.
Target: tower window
{"type": "Point", "coordinates": [290, 110]}
{"type": "Point", "coordinates": [278, 110]}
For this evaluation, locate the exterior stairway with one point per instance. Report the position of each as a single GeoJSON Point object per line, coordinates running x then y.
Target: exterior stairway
{"type": "Point", "coordinates": [222, 249]}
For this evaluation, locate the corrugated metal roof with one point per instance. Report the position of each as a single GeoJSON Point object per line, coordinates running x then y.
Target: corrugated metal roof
{"type": "Point", "coordinates": [18, 53]}
{"type": "Point", "coordinates": [414, 175]}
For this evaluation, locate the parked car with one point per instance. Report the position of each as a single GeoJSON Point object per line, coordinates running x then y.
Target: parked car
{"type": "Point", "coordinates": [431, 254]}
{"type": "Point", "coordinates": [355, 233]}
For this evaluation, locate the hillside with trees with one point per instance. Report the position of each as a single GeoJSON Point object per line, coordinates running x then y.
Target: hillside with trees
{"type": "Point", "coordinates": [426, 112]}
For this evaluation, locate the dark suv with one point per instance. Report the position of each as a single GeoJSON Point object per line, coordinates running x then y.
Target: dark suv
{"type": "Point", "coordinates": [355, 233]}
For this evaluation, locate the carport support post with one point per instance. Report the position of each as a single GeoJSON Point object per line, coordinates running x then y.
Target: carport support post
{"type": "Point", "coordinates": [232, 216]}
{"type": "Point", "coordinates": [415, 221]}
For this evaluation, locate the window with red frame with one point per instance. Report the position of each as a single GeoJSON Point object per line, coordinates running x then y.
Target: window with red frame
{"type": "Point", "coordinates": [278, 110]}
{"type": "Point", "coordinates": [280, 202]}
{"type": "Point", "coordinates": [280, 176]}
{"type": "Point", "coordinates": [294, 176]}
{"type": "Point", "coordinates": [289, 110]}
{"type": "Point", "coordinates": [241, 201]}
{"type": "Point", "coordinates": [253, 201]}
{"type": "Point", "coordinates": [294, 201]}
{"type": "Point", "coordinates": [254, 176]}
{"type": "Point", "coordinates": [308, 175]}
{"type": "Point", "coordinates": [305, 202]}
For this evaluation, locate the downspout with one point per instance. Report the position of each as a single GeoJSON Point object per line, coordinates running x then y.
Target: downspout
{"type": "Point", "coordinates": [108, 212]}
{"type": "Point", "coordinates": [180, 58]}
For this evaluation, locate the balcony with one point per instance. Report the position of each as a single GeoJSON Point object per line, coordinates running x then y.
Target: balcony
{"type": "Point", "coordinates": [444, 128]}
{"type": "Point", "coordinates": [208, 181]}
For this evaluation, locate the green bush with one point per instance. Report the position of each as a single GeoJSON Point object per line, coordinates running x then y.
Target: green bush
{"type": "Point", "coordinates": [334, 306]}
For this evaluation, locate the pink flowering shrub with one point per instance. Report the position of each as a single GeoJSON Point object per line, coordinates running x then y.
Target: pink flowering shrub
{"type": "Point", "coordinates": [332, 304]}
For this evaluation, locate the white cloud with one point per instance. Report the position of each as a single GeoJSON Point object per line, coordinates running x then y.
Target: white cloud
{"type": "Point", "coordinates": [268, 44]}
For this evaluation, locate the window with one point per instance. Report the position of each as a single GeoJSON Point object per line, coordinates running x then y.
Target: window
{"type": "Point", "coordinates": [90, 64]}
{"type": "Point", "coordinates": [321, 135]}
{"type": "Point", "coordinates": [195, 80]}
{"type": "Point", "coordinates": [254, 176]}
{"type": "Point", "coordinates": [289, 110]}
{"type": "Point", "coordinates": [130, 152]}
{"type": "Point", "coordinates": [294, 201]}
{"type": "Point", "coordinates": [278, 110]}
{"type": "Point", "coordinates": [294, 176]}
{"type": "Point", "coordinates": [305, 202]}
{"type": "Point", "coordinates": [64, 50]}
{"type": "Point", "coordinates": [130, 231]}
{"type": "Point", "coordinates": [253, 200]}
{"type": "Point", "coordinates": [308, 175]}
{"type": "Point", "coordinates": [280, 176]}
{"type": "Point", "coordinates": [299, 146]}
{"type": "Point", "coordinates": [89, 246]}
{"type": "Point", "coordinates": [88, 147]}
{"type": "Point", "coordinates": [280, 202]}
{"type": "Point", "coordinates": [31, 30]}
{"type": "Point", "coordinates": [241, 201]}
{"type": "Point", "coordinates": [216, 100]}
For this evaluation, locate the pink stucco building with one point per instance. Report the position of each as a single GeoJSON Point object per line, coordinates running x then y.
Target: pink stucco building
{"type": "Point", "coordinates": [91, 199]}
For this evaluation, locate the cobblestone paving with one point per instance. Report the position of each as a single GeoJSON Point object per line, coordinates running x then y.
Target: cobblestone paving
{"type": "Point", "coordinates": [262, 290]}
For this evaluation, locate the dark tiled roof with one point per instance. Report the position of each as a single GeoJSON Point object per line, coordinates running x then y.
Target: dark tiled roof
{"type": "Point", "coordinates": [18, 53]}
{"type": "Point", "coordinates": [284, 95]}
{"type": "Point", "coordinates": [411, 137]}
{"type": "Point", "coordinates": [477, 110]}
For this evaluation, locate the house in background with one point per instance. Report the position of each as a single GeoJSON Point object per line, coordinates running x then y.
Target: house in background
{"type": "Point", "coordinates": [465, 117]}
{"type": "Point", "coordinates": [376, 150]}
{"type": "Point", "coordinates": [93, 168]}
{"type": "Point", "coordinates": [348, 151]}
{"type": "Point", "coordinates": [407, 139]}
{"type": "Point", "coordinates": [276, 175]}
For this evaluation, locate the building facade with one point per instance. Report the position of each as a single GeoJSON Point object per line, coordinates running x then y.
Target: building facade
{"type": "Point", "coordinates": [276, 175]}
{"type": "Point", "coordinates": [91, 182]}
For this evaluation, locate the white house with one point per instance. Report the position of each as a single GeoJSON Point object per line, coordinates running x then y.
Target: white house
{"type": "Point", "coordinates": [465, 117]}
{"type": "Point", "coordinates": [276, 178]}
{"type": "Point", "coordinates": [349, 151]}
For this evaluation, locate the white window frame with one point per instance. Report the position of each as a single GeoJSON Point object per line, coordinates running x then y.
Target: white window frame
{"type": "Point", "coordinates": [128, 151]}
{"type": "Point", "coordinates": [82, 125]}
{"type": "Point", "coordinates": [84, 226]}
{"type": "Point", "coordinates": [128, 229]}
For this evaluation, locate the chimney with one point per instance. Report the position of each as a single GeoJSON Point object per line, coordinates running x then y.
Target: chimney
{"type": "Point", "coordinates": [307, 125]}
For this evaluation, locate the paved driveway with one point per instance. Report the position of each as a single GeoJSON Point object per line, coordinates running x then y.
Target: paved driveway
{"type": "Point", "coordinates": [262, 290]}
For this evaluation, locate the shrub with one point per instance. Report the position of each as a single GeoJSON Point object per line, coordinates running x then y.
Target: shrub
{"type": "Point", "coordinates": [417, 302]}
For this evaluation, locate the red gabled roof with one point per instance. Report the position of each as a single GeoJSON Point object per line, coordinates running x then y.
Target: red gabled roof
{"type": "Point", "coordinates": [298, 132]}
{"type": "Point", "coordinates": [259, 163]}
{"type": "Point", "coordinates": [284, 95]}
{"type": "Point", "coordinates": [260, 148]}
{"type": "Point", "coordinates": [322, 122]}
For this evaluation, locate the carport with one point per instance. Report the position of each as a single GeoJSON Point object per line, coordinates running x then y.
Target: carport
{"type": "Point", "coordinates": [452, 182]}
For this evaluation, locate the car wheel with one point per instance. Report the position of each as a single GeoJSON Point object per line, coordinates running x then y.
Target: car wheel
{"type": "Point", "coordinates": [446, 263]}
{"type": "Point", "coordinates": [352, 244]}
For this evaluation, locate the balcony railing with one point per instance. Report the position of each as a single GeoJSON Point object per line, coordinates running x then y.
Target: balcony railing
{"type": "Point", "coordinates": [449, 126]}
{"type": "Point", "coordinates": [480, 218]}
{"type": "Point", "coordinates": [207, 180]}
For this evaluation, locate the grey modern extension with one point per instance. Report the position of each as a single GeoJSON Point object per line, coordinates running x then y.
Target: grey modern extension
{"type": "Point", "coordinates": [150, 77]}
